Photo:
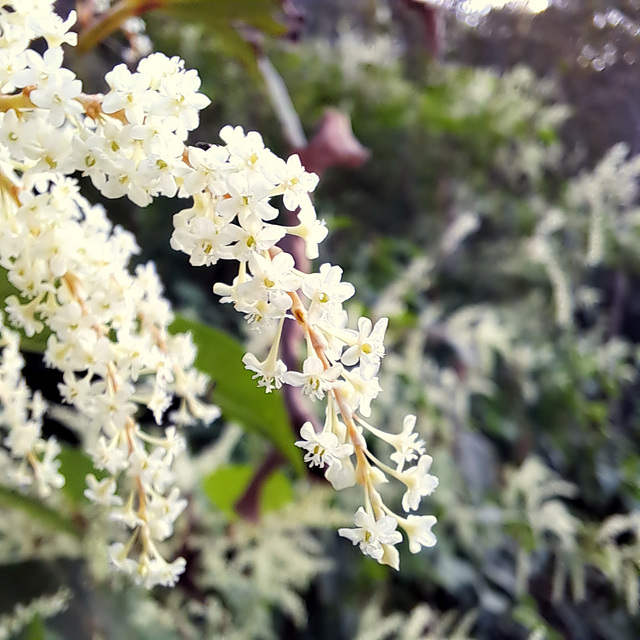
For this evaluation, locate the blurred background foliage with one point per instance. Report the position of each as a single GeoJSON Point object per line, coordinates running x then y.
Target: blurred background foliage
{"type": "Point", "coordinates": [496, 222]}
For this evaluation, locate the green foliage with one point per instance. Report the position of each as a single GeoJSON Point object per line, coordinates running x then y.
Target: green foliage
{"type": "Point", "coordinates": [527, 615]}
{"type": "Point", "coordinates": [34, 344]}
{"type": "Point", "coordinates": [227, 484]}
{"type": "Point", "coordinates": [75, 465]}
{"type": "Point", "coordinates": [51, 518]}
{"type": "Point", "coordinates": [35, 630]}
{"type": "Point", "coordinates": [221, 18]}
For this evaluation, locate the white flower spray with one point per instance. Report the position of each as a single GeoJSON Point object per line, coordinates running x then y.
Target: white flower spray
{"type": "Point", "coordinates": [109, 327]}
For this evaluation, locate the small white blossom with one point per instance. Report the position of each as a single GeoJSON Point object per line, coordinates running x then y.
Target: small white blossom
{"type": "Point", "coordinates": [310, 229]}
{"type": "Point", "coordinates": [295, 182]}
{"type": "Point", "coordinates": [324, 448]}
{"type": "Point", "coordinates": [269, 374]}
{"type": "Point", "coordinates": [368, 346]}
{"type": "Point", "coordinates": [315, 380]}
{"type": "Point", "coordinates": [407, 445]}
{"type": "Point", "coordinates": [326, 292]}
{"type": "Point", "coordinates": [372, 534]}
{"type": "Point", "coordinates": [418, 530]}
{"type": "Point", "coordinates": [419, 483]}
{"type": "Point", "coordinates": [102, 491]}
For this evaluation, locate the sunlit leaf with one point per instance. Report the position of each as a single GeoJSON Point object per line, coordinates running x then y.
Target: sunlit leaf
{"type": "Point", "coordinates": [226, 485]}
{"type": "Point", "coordinates": [74, 466]}
{"type": "Point", "coordinates": [34, 344]}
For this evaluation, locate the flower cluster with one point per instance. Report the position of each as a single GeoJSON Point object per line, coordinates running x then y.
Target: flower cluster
{"type": "Point", "coordinates": [29, 458]}
{"type": "Point", "coordinates": [108, 328]}
{"type": "Point", "coordinates": [232, 218]}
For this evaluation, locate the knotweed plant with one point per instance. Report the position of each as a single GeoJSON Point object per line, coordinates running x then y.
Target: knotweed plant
{"type": "Point", "coordinates": [108, 328]}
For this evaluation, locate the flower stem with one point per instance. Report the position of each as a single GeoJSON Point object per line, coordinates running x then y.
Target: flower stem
{"type": "Point", "coordinates": [17, 101]}
{"type": "Point", "coordinates": [112, 20]}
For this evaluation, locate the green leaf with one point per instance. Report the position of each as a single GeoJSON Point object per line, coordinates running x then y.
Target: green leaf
{"type": "Point", "coordinates": [276, 493]}
{"type": "Point", "coordinates": [74, 466]}
{"type": "Point", "coordinates": [241, 400]}
{"type": "Point", "coordinates": [38, 511]}
{"type": "Point", "coordinates": [529, 618]}
{"type": "Point", "coordinates": [226, 485]}
{"type": "Point", "coordinates": [35, 630]}
{"type": "Point", "coordinates": [221, 17]}
{"type": "Point", "coordinates": [522, 533]}
{"type": "Point", "coordinates": [34, 344]}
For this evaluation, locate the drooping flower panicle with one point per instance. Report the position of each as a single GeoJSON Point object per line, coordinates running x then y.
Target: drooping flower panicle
{"type": "Point", "coordinates": [108, 327]}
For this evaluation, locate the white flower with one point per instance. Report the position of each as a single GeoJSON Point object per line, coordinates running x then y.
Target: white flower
{"type": "Point", "coordinates": [256, 237]}
{"type": "Point", "coordinates": [275, 276]}
{"type": "Point", "coordinates": [371, 535]}
{"type": "Point", "coordinates": [362, 388]}
{"type": "Point", "coordinates": [326, 292]}
{"type": "Point", "coordinates": [407, 445]}
{"type": "Point", "coordinates": [246, 198]}
{"type": "Point", "coordinates": [58, 93]}
{"type": "Point", "coordinates": [129, 92]}
{"type": "Point", "coordinates": [102, 491]}
{"type": "Point", "coordinates": [368, 347]}
{"type": "Point", "coordinates": [418, 530]}
{"type": "Point", "coordinates": [246, 151]}
{"type": "Point", "coordinates": [310, 229]}
{"type": "Point", "coordinates": [314, 379]}
{"type": "Point", "coordinates": [324, 448]}
{"type": "Point", "coordinates": [294, 181]}
{"type": "Point", "coordinates": [419, 483]}
{"type": "Point", "coordinates": [207, 166]}
{"type": "Point", "coordinates": [46, 470]}
{"type": "Point", "coordinates": [54, 30]}
{"type": "Point", "coordinates": [22, 439]}
{"type": "Point", "coordinates": [268, 373]}
{"type": "Point", "coordinates": [18, 134]}
{"type": "Point", "coordinates": [180, 98]}
{"type": "Point", "coordinates": [157, 571]}
{"type": "Point", "coordinates": [341, 477]}
{"type": "Point", "coordinates": [118, 555]}
{"type": "Point", "coordinates": [204, 238]}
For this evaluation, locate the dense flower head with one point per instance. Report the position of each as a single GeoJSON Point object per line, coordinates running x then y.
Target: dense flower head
{"type": "Point", "coordinates": [233, 218]}
{"type": "Point", "coordinates": [108, 326]}
{"type": "Point", "coordinates": [28, 459]}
